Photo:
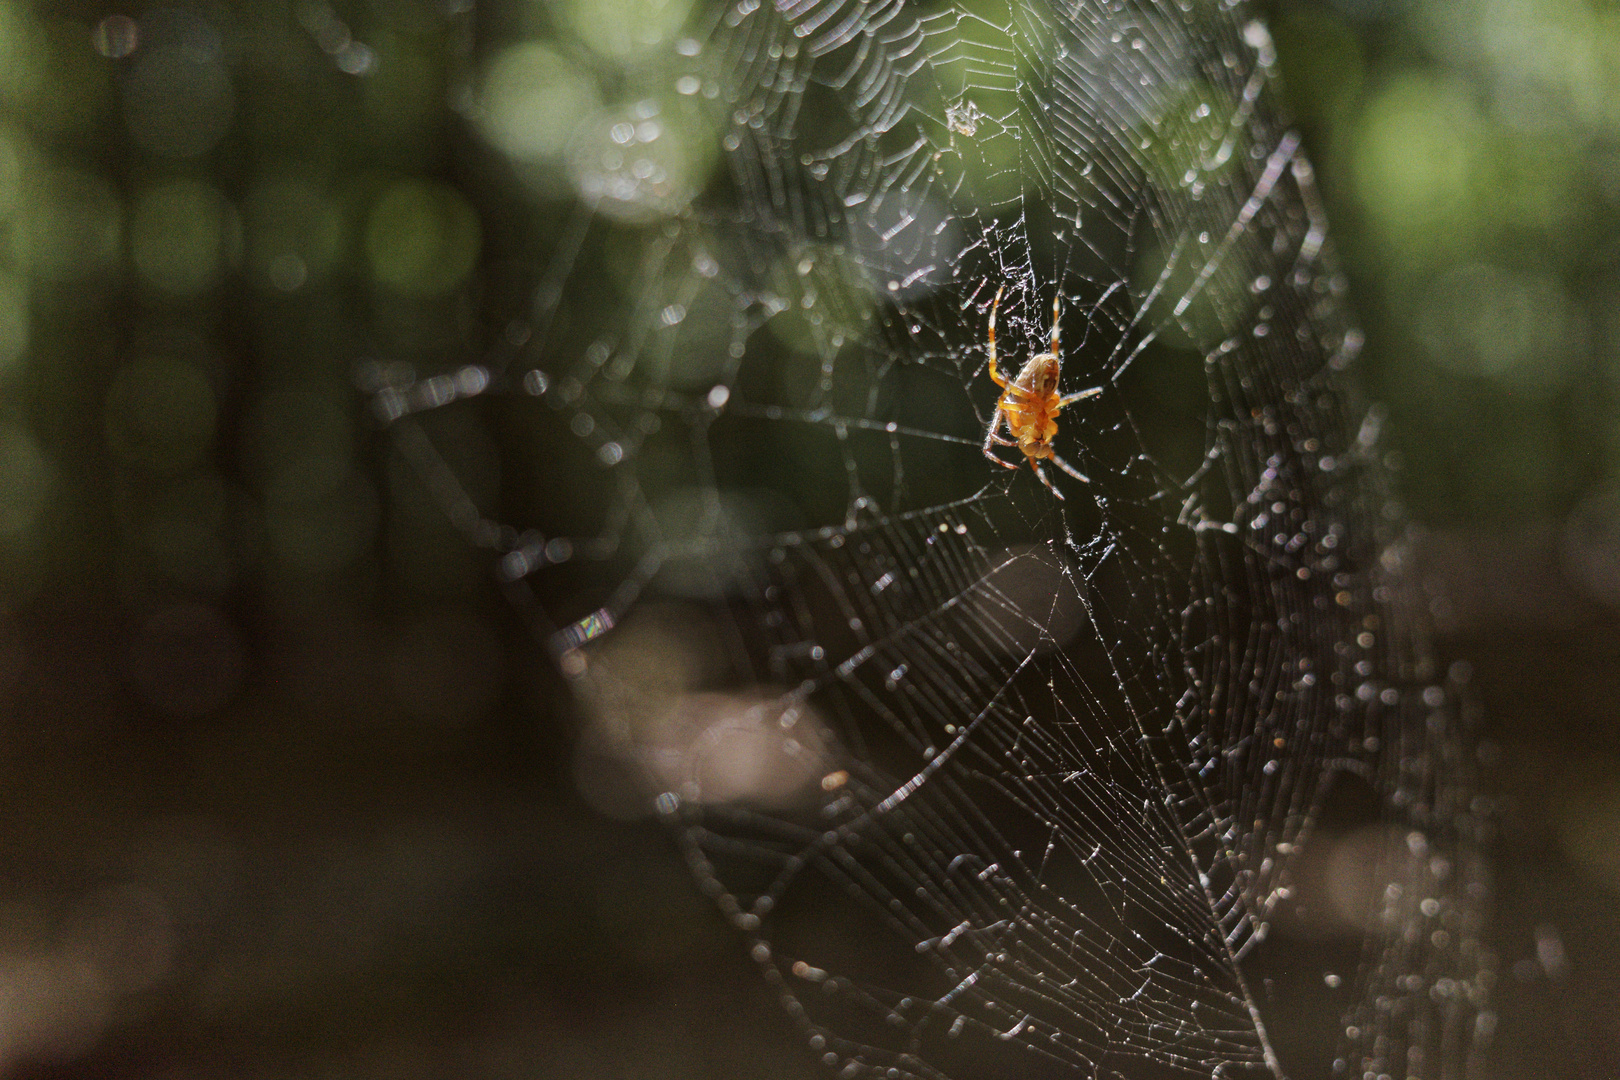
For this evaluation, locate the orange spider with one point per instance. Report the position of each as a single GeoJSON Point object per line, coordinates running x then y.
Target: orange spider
{"type": "Point", "coordinates": [1029, 405]}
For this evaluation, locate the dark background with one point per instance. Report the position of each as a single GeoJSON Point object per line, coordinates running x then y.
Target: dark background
{"type": "Point", "coordinates": [286, 788]}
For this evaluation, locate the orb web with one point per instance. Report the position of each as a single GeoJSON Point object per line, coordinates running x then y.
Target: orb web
{"type": "Point", "coordinates": [991, 781]}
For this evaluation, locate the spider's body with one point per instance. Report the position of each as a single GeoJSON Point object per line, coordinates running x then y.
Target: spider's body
{"type": "Point", "coordinates": [1029, 405]}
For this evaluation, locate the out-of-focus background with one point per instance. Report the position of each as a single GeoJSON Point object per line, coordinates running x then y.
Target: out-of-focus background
{"type": "Point", "coordinates": [286, 788]}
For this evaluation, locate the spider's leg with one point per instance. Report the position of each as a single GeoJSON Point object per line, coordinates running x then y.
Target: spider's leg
{"type": "Point", "coordinates": [1005, 411]}
{"type": "Point", "coordinates": [1070, 469]}
{"type": "Point", "coordinates": [1070, 399]}
{"type": "Point", "coordinates": [1025, 403]}
{"type": "Point", "coordinates": [991, 454]}
{"type": "Point", "coordinates": [991, 347]}
{"type": "Point", "coordinates": [1056, 300]}
{"type": "Point", "coordinates": [991, 439]}
{"type": "Point", "coordinates": [1040, 472]}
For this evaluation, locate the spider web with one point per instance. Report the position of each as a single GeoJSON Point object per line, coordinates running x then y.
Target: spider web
{"type": "Point", "coordinates": [992, 782]}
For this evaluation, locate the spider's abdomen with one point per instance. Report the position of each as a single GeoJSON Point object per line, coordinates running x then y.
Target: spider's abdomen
{"type": "Point", "coordinates": [1039, 375]}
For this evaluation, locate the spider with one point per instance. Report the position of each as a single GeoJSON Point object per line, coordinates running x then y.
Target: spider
{"type": "Point", "coordinates": [1029, 405]}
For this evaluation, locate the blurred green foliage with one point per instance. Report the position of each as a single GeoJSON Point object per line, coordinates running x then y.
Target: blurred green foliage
{"type": "Point", "coordinates": [195, 196]}
{"type": "Point", "coordinates": [1468, 152]}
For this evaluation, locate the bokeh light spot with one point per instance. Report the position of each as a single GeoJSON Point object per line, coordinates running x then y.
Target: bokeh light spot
{"type": "Point", "coordinates": [178, 100]}
{"type": "Point", "coordinates": [47, 76]}
{"type": "Point", "coordinates": [74, 223]}
{"type": "Point", "coordinates": [1416, 157]}
{"type": "Point", "coordinates": [530, 100]}
{"type": "Point", "coordinates": [116, 36]}
{"type": "Point", "coordinates": [654, 731]}
{"type": "Point", "coordinates": [641, 162]}
{"type": "Point", "coordinates": [1517, 329]}
{"type": "Point", "coordinates": [421, 238]}
{"type": "Point", "coordinates": [177, 233]}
